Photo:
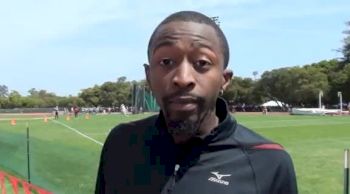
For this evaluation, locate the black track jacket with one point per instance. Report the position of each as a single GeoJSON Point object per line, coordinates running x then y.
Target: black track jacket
{"type": "Point", "coordinates": [141, 158]}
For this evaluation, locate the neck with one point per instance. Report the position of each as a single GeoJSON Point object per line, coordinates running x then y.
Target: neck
{"type": "Point", "coordinates": [210, 121]}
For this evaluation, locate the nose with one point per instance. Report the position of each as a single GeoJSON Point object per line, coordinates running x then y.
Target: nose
{"type": "Point", "coordinates": [184, 75]}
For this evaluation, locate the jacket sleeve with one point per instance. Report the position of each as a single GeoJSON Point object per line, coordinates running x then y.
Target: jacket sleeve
{"type": "Point", "coordinates": [100, 180]}
{"type": "Point", "coordinates": [105, 169]}
{"type": "Point", "coordinates": [101, 183]}
{"type": "Point", "coordinates": [285, 179]}
{"type": "Point", "coordinates": [274, 171]}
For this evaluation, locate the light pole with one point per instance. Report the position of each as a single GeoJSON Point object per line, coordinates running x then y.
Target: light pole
{"type": "Point", "coordinates": [28, 154]}
{"type": "Point", "coordinates": [346, 171]}
{"type": "Point", "coordinates": [320, 95]}
{"type": "Point", "coordinates": [340, 101]}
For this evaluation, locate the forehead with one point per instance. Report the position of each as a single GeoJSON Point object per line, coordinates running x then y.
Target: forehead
{"type": "Point", "coordinates": [192, 31]}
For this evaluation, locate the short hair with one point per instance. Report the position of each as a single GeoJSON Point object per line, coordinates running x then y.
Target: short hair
{"type": "Point", "coordinates": [192, 16]}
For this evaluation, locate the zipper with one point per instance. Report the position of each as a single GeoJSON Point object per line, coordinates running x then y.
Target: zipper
{"type": "Point", "coordinates": [172, 181]}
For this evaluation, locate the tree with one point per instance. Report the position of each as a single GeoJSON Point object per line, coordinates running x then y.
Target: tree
{"type": "Point", "coordinates": [33, 92]}
{"type": "Point", "coordinates": [3, 96]}
{"type": "Point", "coordinates": [346, 47]}
{"type": "Point", "coordinates": [15, 99]}
{"type": "Point", "coordinates": [345, 90]}
{"type": "Point", "coordinates": [239, 91]}
{"type": "Point", "coordinates": [108, 94]}
{"type": "Point", "coordinates": [294, 85]}
{"type": "Point", "coordinates": [276, 85]}
{"type": "Point", "coordinates": [30, 102]}
{"type": "Point", "coordinates": [255, 73]}
{"type": "Point", "coordinates": [311, 81]}
{"type": "Point", "coordinates": [338, 77]}
{"type": "Point", "coordinates": [91, 96]}
{"type": "Point", "coordinates": [40, 98]}
{"type": "Point", "coordinates": [124, 91]}
{"type": "Point", "coordinates": [4, 92]}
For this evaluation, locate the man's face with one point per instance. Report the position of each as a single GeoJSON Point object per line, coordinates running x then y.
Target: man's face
{"type": "Point", "coordinates": [186, 74]}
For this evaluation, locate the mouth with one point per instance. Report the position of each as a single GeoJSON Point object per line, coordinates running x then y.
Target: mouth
{"type": "Point", "coordinates": [183, 103]}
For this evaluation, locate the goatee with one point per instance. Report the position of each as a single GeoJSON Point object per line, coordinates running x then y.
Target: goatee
{"type": "Point", "coordinates": [186, 127]}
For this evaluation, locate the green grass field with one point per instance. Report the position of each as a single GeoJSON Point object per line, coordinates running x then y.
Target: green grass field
{"type": "Point", "coordinates": [65, 162]}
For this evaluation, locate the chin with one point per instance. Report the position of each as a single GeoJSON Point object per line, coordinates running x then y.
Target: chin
{"type": "Point", "coordinates": [185, 117]}
{"type": "Point", "coordinates": [182, 123]}
{"type": "Point", "coordinates": [183, 127]}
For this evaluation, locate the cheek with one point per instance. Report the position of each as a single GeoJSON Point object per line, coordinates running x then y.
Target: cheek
{"type": "Point", "coordinates": [157, 80]}
{"type": "Point", "coordinates": [160, 79]}
{"type": "Point", "coordinates": [157, 84]}
{"type": "Point", "coordinates": [211, 83]}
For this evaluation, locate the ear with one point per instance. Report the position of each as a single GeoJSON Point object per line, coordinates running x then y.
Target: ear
{"type": "Point", "coordinates": [226, 78]}
{"type": "Point", "coordinates": [146, 66]}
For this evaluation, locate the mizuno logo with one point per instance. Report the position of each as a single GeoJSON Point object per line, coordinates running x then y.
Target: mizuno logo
{"type": "Point", "coordinates": [218, 178]}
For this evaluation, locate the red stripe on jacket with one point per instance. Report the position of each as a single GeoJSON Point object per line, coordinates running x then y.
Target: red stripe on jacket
{"type": "Point", "coordinates": [269, 146]}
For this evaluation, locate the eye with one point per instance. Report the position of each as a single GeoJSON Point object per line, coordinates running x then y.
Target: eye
{"type": "Point", "coordinates": [202, 63]}
{"type": "Point", "coordinates": [166, 62]}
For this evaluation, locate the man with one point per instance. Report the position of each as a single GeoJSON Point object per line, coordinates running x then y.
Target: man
{"type": "Point", "coordinates": [76, 111]}
{"type": "Point", "coordinates": [56, 112]}
{"type": "Point", "coordinates": [123, 109]}
{"type": "Point", "coordinates": [193, 145]}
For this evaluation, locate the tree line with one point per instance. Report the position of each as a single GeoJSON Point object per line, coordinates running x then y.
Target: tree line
{"type": "Point", "coordinates": [296, 86]}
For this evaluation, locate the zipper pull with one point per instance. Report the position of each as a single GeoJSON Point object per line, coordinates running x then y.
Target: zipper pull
{"type": "Point", "coordinates": [177, 167]}
{"type": "Point", "coordinates": [172, 180]}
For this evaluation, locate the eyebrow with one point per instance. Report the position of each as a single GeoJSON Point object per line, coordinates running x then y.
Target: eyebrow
{"type": "Point", "coordinates": [171, 42]}
{"type": "Point", "coordinates": [200, 44]}
{"type": "Point", "coordinates": [167, 41]}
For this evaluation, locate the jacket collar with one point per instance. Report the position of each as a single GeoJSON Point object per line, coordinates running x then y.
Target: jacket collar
{"type": "Point", "coordinates": [226, 127]}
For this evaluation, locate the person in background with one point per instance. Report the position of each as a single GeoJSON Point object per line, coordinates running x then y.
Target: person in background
{"type": "Point", "coordinates": [76, 111]}
{"type": "Point", "coordinates": [264, 110]}
{"type": "Point", "coordinates": [56, 112]}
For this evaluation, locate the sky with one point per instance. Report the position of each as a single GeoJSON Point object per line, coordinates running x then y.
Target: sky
{"type": "Point", "coordinates": [63, 46]}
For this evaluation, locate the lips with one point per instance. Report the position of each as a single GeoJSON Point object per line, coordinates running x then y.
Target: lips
{"type": "Point", "coordinates": [183, 103]}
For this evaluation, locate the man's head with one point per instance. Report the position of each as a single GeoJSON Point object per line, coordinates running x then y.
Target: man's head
{"type": "Point", "coordinates": [191, 16]}
{"type": "Point", "coordinates": [188, 55]}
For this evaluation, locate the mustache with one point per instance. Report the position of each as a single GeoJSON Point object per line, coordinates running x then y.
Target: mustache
{"type": "Point", "coordinates": [182, 97]}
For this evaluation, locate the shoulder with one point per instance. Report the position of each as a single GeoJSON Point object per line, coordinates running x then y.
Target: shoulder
{"type": "Point", "coordinates": [138, 125]}
{"type": "Point", "coordinates": [261, 150]}
{"type": "Point", "coordinates": [272, 165]}
{"type": "Point", "coordinates": [127, 133]}
{"type": "Point", "coordinates": [248, 138]}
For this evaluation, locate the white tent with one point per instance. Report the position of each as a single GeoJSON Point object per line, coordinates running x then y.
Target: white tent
{"type": "Point", "coordinates": [273, 103]}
